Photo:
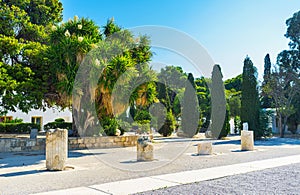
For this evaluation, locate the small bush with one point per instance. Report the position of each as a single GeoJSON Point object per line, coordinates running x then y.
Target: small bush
{"type": "Point", "coordinates": [18, 127]}
{"type": "Point", "coordinates": [168, 127]}
{"type": "Point", "coordinates": [59, 120]}
{"type": "Point", "coordinates": [110, 126]}
{"type": "Point", "coordinates": [142, 115]}
{"type": "Point", "coordinates": [142, 126]}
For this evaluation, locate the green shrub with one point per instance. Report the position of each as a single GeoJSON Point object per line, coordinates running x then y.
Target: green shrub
{"type": "Point", "coordinates": [142, 115]}
{"type": "Point", "coordinates": [59, 120]}
{"type": "Point", "coordinates": [142, 126]}
{"type": "Point", "coordinates": [18, 127]}
{"type": "Point", "coordinates": [61, 125]}
{"type": "Point", "coordinates": [109, 125]}
{"type": "Point", "coordinates": [168, 127]}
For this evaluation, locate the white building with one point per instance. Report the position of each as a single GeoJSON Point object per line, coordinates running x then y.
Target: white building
{"type": "Point", "coordinates": [40, 117]}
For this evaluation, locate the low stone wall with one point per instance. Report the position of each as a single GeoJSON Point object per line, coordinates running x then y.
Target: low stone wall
{"type": "Point", "coordinates": [21, 144]}
{"type": "Point", "coordinates": [102, 142]}
{"type": "Point", "coordinates": [25, 144]}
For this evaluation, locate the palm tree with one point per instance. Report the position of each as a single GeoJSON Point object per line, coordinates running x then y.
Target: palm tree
{"type": "Point", "coordinates": [104, 59]}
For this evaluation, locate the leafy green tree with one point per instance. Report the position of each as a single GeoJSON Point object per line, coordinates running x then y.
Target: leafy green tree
{"type": "Point", "coordinates": [219, 127]}
{"type": "Point", "coordinates": [283, 87]}
{"type": "Point", "coordinates": [204, 100]}
{"type": "Point", "coordinates": [234, 84]}
{"type": "Point", "coordinates": [294, 119]}
{"type": "Point", "coordinates": [234, 105]}
{"type": "Point", "coordinates": [233, 92]}
{"type": "Point", "coordinates": [250, 101]}
{"type": "Point", "coordinates": [170, 84]}
{"type": "Point", "coordinates": [291, 60]}
{"type": "Point", "coordinates": [190, 110]}
{"type": "Point", "coordinates": [24, 29]}
{"type": "Point", "coordinates": [293, 31]}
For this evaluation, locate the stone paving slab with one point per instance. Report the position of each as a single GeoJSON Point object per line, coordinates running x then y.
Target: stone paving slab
{"type": "Point", "coordinates": [133, 185]}
{"type": "Point", "coordinates": [76, 191]}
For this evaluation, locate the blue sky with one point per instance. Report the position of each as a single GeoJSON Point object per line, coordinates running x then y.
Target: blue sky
{"type": "Point", "coordinates": [228, 29]}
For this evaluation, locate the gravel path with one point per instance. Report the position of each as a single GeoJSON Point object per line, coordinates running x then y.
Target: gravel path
{"type": "Point", "coordinates": [280, 180]}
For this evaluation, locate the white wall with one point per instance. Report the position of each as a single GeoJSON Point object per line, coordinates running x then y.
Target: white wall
{"type": "Point", "coordinates": [48, 116]}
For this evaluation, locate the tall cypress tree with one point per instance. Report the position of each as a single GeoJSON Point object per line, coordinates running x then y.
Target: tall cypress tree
{"type": "Point", "coordinates": [266, 101]}
{"type": "Point", "coordinates": [250, 101]}
{"type": "Point", "coordinates": [218, 107]}
{"type": "Point", "coordinates": [190, 112]}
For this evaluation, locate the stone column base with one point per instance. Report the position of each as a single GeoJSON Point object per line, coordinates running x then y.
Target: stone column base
{"type": "Point", "coordinates": [205, 148]}
{"type": "Point", "coordinates": [247, 140]}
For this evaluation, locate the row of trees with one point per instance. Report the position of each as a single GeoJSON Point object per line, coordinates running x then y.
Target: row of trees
{"type": "Point", "coordinates": [41, 56]}
{"type": "Point", "coordinates": [280, 87]}
{"type": "Point", "coordinates": [40, 64]}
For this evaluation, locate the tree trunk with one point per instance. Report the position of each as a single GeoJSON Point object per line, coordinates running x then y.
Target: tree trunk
{"type": "Point", "coordinates": [280, 126]}
{"type": "Point", "coordinates": [284, 124]}
{"type": "Point", "coordinates": [74, 128]}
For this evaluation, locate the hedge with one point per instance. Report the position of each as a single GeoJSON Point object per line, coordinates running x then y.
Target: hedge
{"type": "Point", "coordinates": [18, 127]}
{"type": "Point", "coordinates": [61, 125]}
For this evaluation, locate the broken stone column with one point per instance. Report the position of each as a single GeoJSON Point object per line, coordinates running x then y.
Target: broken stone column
{"type": "Point", "coordinates": [247, 140]}
{"type": "Point", "coordinates": [56, 149]}
{"type": "Point", "coordinates": [205, 148]}
{"type": "Point", "coordinates": [144, 149]}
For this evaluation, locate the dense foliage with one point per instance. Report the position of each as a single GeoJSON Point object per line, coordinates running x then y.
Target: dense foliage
{"type": "Point", "coordinates": [24, 29]}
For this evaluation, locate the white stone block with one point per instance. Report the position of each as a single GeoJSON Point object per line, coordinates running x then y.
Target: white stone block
{"type": "Point", "coordinates": [205, 148]}
{"type": "Point", "coordinates": [56, 149]}
{"type": "Point", "coordinates": [247, 140]}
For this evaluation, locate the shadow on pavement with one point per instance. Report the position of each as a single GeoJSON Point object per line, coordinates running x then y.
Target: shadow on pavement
{"type": "Point", "coordinates": [266, 142]}
{"type": "Point", "coordinates": [20, 173]}
{"type": "Point", "coordinates": [19, 159]}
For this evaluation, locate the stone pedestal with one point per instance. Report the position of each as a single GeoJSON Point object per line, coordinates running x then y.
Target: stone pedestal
{"type": "Point", "coordinates": [205, 148]}
{"type": "Point", "coordinates": [247, 140]}
{"type": "Point", "coordinates": [56, 149]}
{"type": "Point", "coordinates": [144, 149]}
{"type": "Point", "coordinates": [33, 133]}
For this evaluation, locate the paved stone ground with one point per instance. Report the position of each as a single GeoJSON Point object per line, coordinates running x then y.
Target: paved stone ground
{"type": "Point", "coordinates": [279, 180]}
{"type": "Point", "coordinates": [25, 173]}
